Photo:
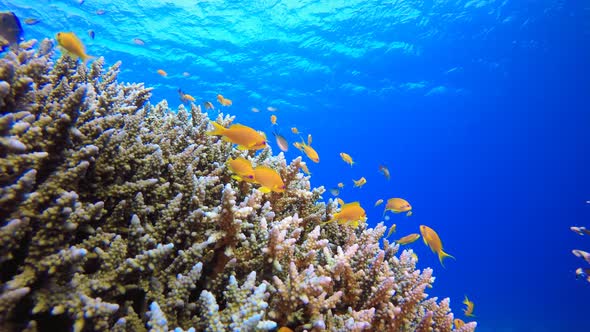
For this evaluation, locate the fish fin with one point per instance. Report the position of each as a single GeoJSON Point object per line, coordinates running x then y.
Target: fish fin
{"type": "Point", "coordinates": [218, 129]}
{"type": "Point", "coordinates": [86, 57]}
{"type": "Point", "coordinates": [264, 190]}
{"type": "Point", "coordinates": [240, 147]}
{"type": "Point", "coordinates": [235, 177]}
{"type": "Point", "coordinates": [442, 255]}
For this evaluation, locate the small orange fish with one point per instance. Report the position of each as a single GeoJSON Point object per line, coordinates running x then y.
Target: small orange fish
{"type": "Point", "coordinates": [347, 158]}
{"type": "Point", "coordinates": [269, 179]}
{"type": "Point", "coordinates": [242, 169]}
{"type": "Point", "coordinates": [458, 323]}
{"type": "Point", "coordinates": [408, 238]}
{"type": "Point", "coordinates": [73, 45]}
{"type": "Point", "coordinates": [308, 150]}
{"type": "Point", "coordinates": [185, 97]}
{"type": "Point", "coordinates": [281, 142]}
{"type": "Point", "coordinates": [432, 240]}
{"type": "Point", "coordinates": [224, 101]}
{"type": "Point", "coordinates": [304, 168]}
{"type": "Point", "coordinates": [350, 213]}
{"type": "Point", "coordinates": [379, 202]}
{"type": "Point", "coordinates": [208, 105]}
{"type": "Point", "coordinates": [294, 130]}
{"type": "Point", "coordinates": [245, 137]}
{"type": "Point", "coordinates": [273, 119]}
{"type": "Point", "coordinates": [162, 72]}
{"type": "Point", "coordinates": [392, 230]}
{"type": "Point", "coordinates": [580, 230]}
{"type": "Point", "coordinates": [360, 182]}
{"type": "Point", "coordinates": [340, 185]}
{"type": "Point", "coordinates": [468, 311]}
{"type": "Point", "coordinates": [385, 171]}
{"type": "Point", "coordinates": [397, 205]}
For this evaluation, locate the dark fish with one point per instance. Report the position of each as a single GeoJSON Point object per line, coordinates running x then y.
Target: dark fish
{"type": "Point", "coordinates": [10, 30]}
{"type": "Point", "coordinates": [91, 33]}
{"type": "Point", "coordinates": [31, 21]}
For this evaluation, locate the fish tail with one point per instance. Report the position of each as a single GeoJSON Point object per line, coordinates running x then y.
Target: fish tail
{"type": "Point", "coordinates": [218, 129]}
{"type": "Point", "coordinates": [86, 57]}
{"type": "Point", "coordinates": [442, 255]}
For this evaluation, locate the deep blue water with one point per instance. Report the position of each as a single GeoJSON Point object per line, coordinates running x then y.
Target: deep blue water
{"type": "Point", "coordinates": [480, 109]}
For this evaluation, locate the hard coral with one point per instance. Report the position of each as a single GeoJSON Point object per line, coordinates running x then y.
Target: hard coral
{"type": "Point", "coordinates": [120, 215]}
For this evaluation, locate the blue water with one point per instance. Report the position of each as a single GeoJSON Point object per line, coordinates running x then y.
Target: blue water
{"type": "Point", "coordinates": [480, 109]}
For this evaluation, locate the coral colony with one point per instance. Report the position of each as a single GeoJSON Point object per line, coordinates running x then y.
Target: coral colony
{"type": "Point", "coordinates": [118, 215]}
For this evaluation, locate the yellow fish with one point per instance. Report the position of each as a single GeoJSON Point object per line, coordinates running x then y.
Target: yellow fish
{"type": "Point", "coordinates": [468, 311]}
{"type": "Point", "coordinates": [432, 240]}
{"type": "Point", "coordinates": [273, 119]}
{"type": "Point", "coordinates": [360, 182]}
{"type": "Point", "coordinates": [414, 256]}
{"type": "Point", "coordinates": [162, 72]}
{"type": "Point", "coordinates": [294, 130]}
{"type": "Point", "coordinates": [208, 105]}
{"type": "Point", "coordinates": [379, 202]}
{"type": "Point", "coordinates": [408, 238]}
{"type": "Point", "coordinates": [269, 179]}
{"type": "Point", "coordinates": [304, 168]}
{"type": "Point", "coordinates": [340, 185]}
{"type": "Point", "coordinates": [242, 169]}
{"type": "Point", "coordinates": [385, 171]}
{"type": "Point", "coordinates": [397, 205]}
{"type": "Point", "coordinates": [391, 230]}
{"type": "Point", "coordinates": [458, 323]}
{"type": "Point", "coordinates": [245, 137]}
{"type": "Point", "coordinates": [308, 150]}
{"type": "Point", "coordinates": [71, 43]}
{"type": "Point", "coordinates": [185, 97]}
{"type": "Point", "coordinates": [224, 101]}
{"type": "Point", "coordinates": [347, 158]}
{"type": "Point", "coordinates": [350, 213]}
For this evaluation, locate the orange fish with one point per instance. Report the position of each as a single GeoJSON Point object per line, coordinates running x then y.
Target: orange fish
{"type": "Point", "coordinates": [185, 97]}
{"type": "Point", "coordinates": [224, 101]}
{"type": "Point", "coordinates": [347, 158]}
{"type": "Point", "coordinates": [294, 130]}
{"type": "Point", "coordinates": [458, 323]}
{"type": "Point", "coordinates": [308, 150]}
{"type": "Point", "coordinates": [273, 119]}
{"type": "Point", "coordinates": [392, 230]}
{"type": "Point", "coordinates": [408, 238]}
{"type": "Point", "coordinates": [397, 205]}
{"type": "Point", "coordinates": [583, 254]}
{"type": "Point", "coordinates": [350, 213]}
{"type": "Point", "coordinates": [303, 167]}
{"type": "Point", "coordinates": [379, 202]}
{"type": "Point", "coordinates": [269, 179]}
{"type": "Point", "coordinates": [162, 72]}
{"type": "Point", "coordinates": [360, 182]}
{"type": "Point", "coordinates": [242, 169]}
{"type": "Point", "coordinates": [385, 171]}
{"type": "Point", "coordinates": [468, 311]}
{"type": "Point", "coordinates": [208, 105]}
{"type": "Point", "coordinates": [340, 185]}
{"type": "Point", "coordinates": [73, 45]}
{"type": "Point", "coordinates": [284, 329]}
{"type": "Point", "coordinates": [432, 240]}
{"type": "Point", "coordinates": [245, 137]}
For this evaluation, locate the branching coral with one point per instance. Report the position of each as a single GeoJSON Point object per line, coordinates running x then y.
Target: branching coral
{"type": "Point", "coordinates": [120, 215]}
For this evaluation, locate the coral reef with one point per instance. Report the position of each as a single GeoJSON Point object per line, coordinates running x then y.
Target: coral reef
{"type": "Point", "coordinates": [118, 215]}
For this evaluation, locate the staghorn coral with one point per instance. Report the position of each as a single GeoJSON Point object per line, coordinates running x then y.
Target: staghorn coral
{"type": "Point", "coordinates": [119, 215]}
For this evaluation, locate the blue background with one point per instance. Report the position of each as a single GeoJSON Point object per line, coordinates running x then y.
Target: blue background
{"type": "Point", "coordinates": [480, 109]}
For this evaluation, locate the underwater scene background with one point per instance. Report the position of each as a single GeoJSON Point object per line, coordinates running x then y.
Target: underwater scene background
{"type": "Point", "coordinates": [479, 109]}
